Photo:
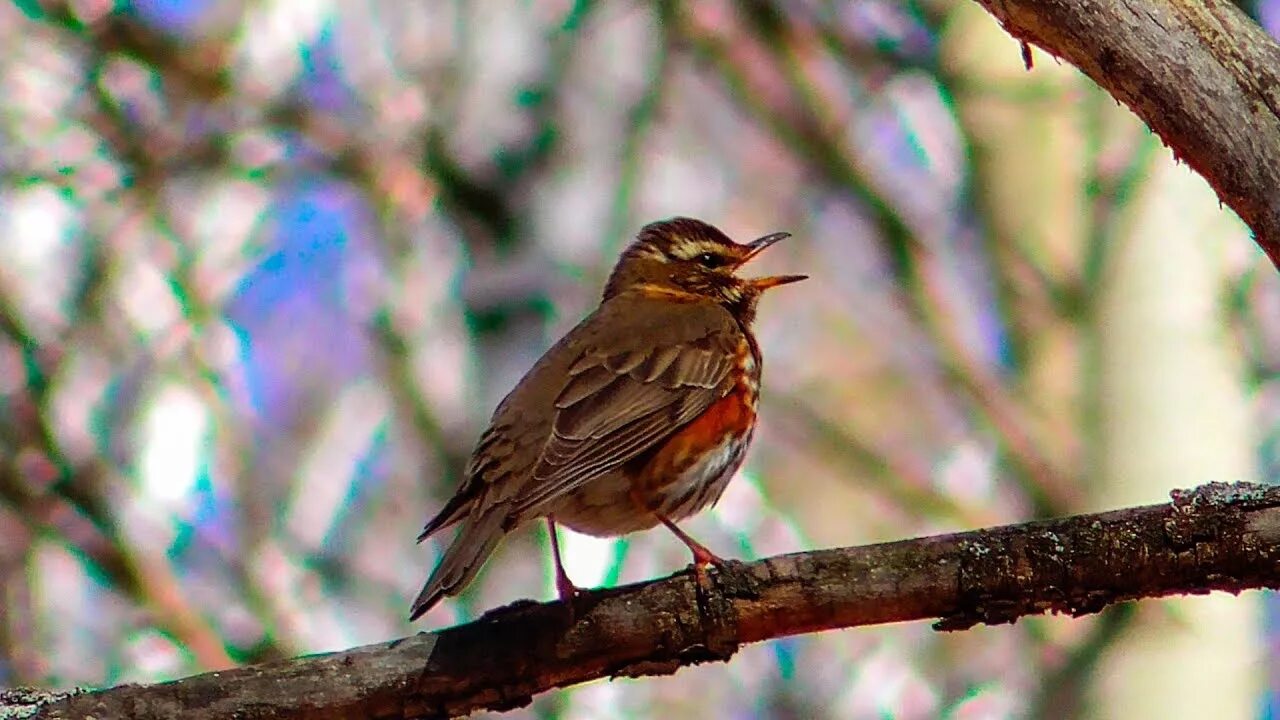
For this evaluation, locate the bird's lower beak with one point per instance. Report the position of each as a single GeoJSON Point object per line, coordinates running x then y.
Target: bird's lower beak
{"type": "Point", "coordinates": [765, 283]}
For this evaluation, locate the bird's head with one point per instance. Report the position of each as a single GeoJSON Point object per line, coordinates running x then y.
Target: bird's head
{"type": "Point", "coordinates": [689, 257]}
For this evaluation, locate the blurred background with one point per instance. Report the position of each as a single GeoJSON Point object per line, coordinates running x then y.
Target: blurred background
{"type": "Point", "coordinates": [266, 266]}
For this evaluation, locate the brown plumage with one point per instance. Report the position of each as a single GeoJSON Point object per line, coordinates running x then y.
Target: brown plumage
{"type": "Point", "coordinates": [638, 416]}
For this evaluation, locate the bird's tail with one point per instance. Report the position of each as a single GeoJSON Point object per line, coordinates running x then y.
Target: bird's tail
{"type": "Point", "coordinates": [475, 542]}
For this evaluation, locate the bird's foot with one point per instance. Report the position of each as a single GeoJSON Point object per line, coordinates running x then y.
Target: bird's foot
{"type": "Point", "coordinates": [569, 595]}
{"type": "Point", "coordinates": [567, 590]}
{"type": "Point", "coordinates": [702, 556]}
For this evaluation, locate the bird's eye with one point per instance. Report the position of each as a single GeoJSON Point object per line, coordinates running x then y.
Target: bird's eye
{"type": "Point", "coordinates": [710, 260]}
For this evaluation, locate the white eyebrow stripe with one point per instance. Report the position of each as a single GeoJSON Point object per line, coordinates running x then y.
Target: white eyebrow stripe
{"type": "Point", "coordinates": [689, 250]}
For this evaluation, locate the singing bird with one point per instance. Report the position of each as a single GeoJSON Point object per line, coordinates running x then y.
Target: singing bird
{"type": "Point", "coordinates": [640, 415]}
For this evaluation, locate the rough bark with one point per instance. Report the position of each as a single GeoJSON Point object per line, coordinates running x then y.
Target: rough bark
{"type": "Point", "coordinates": [1217, 537]}
{"type": "Point", "coordinates": [1200, 73]}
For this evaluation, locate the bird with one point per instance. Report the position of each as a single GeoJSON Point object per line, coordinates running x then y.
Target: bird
{"type": "Point", "coordinates": [638, 416]}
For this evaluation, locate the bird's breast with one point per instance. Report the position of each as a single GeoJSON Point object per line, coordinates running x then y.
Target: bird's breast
{"type": "Point", "coordinates": [693, 467]}
{"type": "Point", "coordinates": [687, 472]}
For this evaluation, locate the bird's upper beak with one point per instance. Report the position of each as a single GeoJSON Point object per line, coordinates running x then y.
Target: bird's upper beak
{"type": "Point", "coordinates": [754, 248]}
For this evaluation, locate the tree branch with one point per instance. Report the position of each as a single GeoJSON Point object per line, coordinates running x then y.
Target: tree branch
{"type": "Point", "coordinates": [1217, 537]}
{"type": "Point", "coordinates": [1199, 73]}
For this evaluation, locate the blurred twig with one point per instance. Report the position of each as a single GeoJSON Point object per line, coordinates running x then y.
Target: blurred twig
{"type": "Point", "coordinates": [80, 486]}
{"type": "Point", "coordinates": [640, 121]}
{"type": "Point", "coordinates": [1107, 192]}
{"type": "Point", "coordinates": [1050, 491]}
{"type": "Point", "coordinates": [394, 353]}
{"type": "Point", "coordinates": [1062, 692]}
{"type": "Point", "coordinates": [485, 205]}
{"type": "Point", "coordinates": [799, 129]}
{"type": "Point", "coordinates": [893, 472]}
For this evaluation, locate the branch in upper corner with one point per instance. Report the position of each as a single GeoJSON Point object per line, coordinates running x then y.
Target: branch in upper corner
{"type": "Point", "coordinates": [1217, 537]}
{"type": "Point", "coordinates": [1199, 73]}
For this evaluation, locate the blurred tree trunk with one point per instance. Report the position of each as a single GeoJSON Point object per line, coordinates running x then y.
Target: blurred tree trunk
{"type": "Point", "coordinates": [1163, 385]}
{"type": "Point", "coordinates": [1024, 128]}
{"type": "Point", "coordinates": [1170, 403]}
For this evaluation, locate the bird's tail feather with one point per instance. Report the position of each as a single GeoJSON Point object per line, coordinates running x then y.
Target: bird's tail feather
{"type": "Point", "coordinates": [473, 545]}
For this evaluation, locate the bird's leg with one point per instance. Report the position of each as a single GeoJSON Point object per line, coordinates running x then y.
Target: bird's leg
{"type": "Point", "coordinates": [564, 586]}
{"type": "Point", "coordinates": [701, 555]}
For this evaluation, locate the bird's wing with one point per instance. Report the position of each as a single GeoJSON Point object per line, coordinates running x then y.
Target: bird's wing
{"type": "Point", "coordinates": [644, 375]}
{"type": "Point", "coordinates": [492, 459]}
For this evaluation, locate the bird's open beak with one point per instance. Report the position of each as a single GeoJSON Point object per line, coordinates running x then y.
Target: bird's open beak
{"type": "Point", "coordinates": [764, 283]}
{"type": "Point", "coordinates": [761, 243]}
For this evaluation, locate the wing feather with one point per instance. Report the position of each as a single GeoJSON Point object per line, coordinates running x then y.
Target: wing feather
{"type": "Point", "coordinates": [617, 405]}
{"type": "Point", "coordinates": [568, 463]}
{"type": "Point", "coordinates": [657, 363]}
{"type": "Point", "coordinates": [585, 383]}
